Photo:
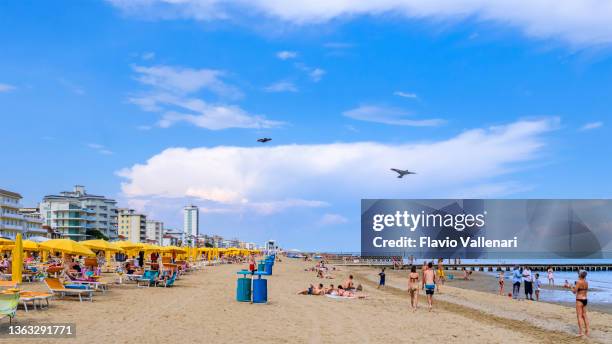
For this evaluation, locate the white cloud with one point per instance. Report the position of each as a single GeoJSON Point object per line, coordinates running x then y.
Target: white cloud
{"type": "Point", "coordinates": [281, 86]}
{"type": "Point", "coordinates": [274, 178]}
{"type": "Point", "coordinates": [181, 80]}
{"type": "Point", "coordinates": [171, 94]}
{"type": "Point", "coordinates": [316, 74]}
{"type": "Point", "coordinates": [405, 94]}
{"type": "Point", "coordinates": [591, 126]}
{"type": "Point", "coordinates": [148, 55]}
{"type": "Point", "coordinates": [389, 115]}
{"type": "Point", "coordinates": [332, 220]}
{"type": "Point", "coordinates": [100, 148]}
{"type": "Point", "coordinates": [6, 87]}
{"type": "Point", "coordinates": [286, 55]}
{"type": "Point", "coordinates": [584, 22]}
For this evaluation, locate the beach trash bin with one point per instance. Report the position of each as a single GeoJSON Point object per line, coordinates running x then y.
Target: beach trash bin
{"type": "Point", "coordinates": [268, 268]}
{"type": "Point", "coordinates": [243, 287]}
{"type": "Point", "coordinates": [261, 267]}
{"type": "Point", "coordinates": [260, 290]}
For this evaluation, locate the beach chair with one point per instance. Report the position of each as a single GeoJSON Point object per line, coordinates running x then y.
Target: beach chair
{"type": "Point", "coordinates": [7, 284]}
{"type": "Point", "coordinates": [57, 288]}
{"type": "Point", "coordinates": [8, 305]}
{"type": "Point", "coordinates": [147, 279]}
{"type": "Point", "coordinates": [167, 282]}
{"type": "Point", "coordinates": [32, 296]}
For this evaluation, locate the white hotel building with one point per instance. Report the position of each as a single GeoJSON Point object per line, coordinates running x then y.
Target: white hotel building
{"type": "Point", "coordinates": [15, 219]}
{"type": "Point", "coordinates": [191, 223]}
{"type": "Point", "coordinates": [72, 213]}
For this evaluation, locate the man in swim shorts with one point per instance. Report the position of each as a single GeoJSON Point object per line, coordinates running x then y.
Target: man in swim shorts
{"type": "Point", "coordinates": [429, 283]}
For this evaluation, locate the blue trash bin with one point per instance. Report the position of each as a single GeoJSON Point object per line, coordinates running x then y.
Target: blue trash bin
{"type": "Point", "coordinates": [243, 287]}
{"type": "Point", "coordinates": [268, 268]}
{"type": "Point", "coordinates": [260, 290]}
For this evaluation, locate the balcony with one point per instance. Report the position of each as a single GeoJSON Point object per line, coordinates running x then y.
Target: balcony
{"type": "Point", "coordinates": [4, 203]}
{"type": "Point", "coordinates": [11, 227]}
{"type": "Point", "coordinates": [12, 216]}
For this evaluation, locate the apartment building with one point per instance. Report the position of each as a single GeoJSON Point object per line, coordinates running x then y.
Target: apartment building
{"type": "Point", "coordinates": [132, 225]}
{"type": "Point", "coordinates": [73, 213]}
{"type": "Point", "coordinates": [154, 231]}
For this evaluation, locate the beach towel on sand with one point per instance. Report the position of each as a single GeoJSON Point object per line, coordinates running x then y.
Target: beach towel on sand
{"type": "Point", "coordinates": [340, 297]}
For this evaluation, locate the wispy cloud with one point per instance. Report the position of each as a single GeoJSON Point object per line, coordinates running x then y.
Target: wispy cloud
{"type": "Point", "coordinates": [281, 86]}
{"type": "Point", "coordinates": [6, 87]}
{"type": "Point", "coordinates": [286, 55]}
{"type": "Point", "coordinates": [338, 45]}
{"type": "Point", "coordinates": [389, 115]}
{"type": "Point", "coordinates": [314, 73]}
{"type": "Point", "coordinates": [174, 91]}
{"type": "Point", "coordinates": [72, 87]}
{"type": "Point", "coordinates": [147, 55]}
{"type": "Point", "coordinates": [100, 148]}
{"type": "Point", "coordinates": [580, 23]}
{"type": "Point", "coordinates": [591, 126]}
{"type": "Point", "coordinates": [405, 94]}
{"type": "Point", "coordinates": [332, 220]}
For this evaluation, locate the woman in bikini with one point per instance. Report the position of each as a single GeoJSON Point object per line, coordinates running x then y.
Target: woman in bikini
{"type": "Point", "coordinates": [580, 289]}
{"type": "Point", "coordinates": [500, 281]}
{"type": "Point", "coordinates": [413, 288]}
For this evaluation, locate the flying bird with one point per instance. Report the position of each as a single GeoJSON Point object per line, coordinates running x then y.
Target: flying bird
{"type": "Point", "coordinates": [402, 173]}
{"type": "Point", "coordinates": [264, 140]}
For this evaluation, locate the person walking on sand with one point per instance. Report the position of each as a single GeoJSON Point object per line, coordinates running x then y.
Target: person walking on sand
{"type": "Point", "coordinates": [517, 278]}
{"type": "Point", "coordinates": [551, 276]}
{"type": "Point", "coordinates": [580, 289]}
{"type": "Point", "coordinates": [429, 284]}
{"type": "Point", "coordinates": [500, 281]}
{"type": "Point", "coordinates": [413, 288]}
{"type": "Point", "coordinates": [381, 282]}
{"type": "Point", "coordinates": [528, 282]}
{"type": "Point", "coordinates": [440, 274]}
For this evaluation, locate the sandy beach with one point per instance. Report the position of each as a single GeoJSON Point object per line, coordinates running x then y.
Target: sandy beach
{"type": "Point", "coordinates": [201, 307]}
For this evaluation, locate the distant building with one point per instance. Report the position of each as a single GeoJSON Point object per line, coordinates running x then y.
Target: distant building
{"type": "Point", "coordinates": [32, 223]}
{"type": "Point", "coordinates": [132, 225]}
{"type": "Point", "coordinates": [73, 213]}
{"type": "Point", "coordinates": [271, 246]}
{"type": "Point", "coordinates": [154, 231]}
{"type": "Point", "coordinates": [172, 237]}
{"type": "Point", "coordinates": [191, 222]}
{"type": "Point", "coordinates": [15, 219]}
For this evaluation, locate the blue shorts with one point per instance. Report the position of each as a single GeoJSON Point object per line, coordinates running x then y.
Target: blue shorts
{"type": "Point", "coordinates": [429, 289]}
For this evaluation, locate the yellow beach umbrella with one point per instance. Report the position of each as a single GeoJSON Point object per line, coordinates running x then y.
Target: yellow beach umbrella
{"type": "Point", "coordinates": [66, 246]}
{"type": "Point", "coordinates": [101, 245]}
{"type": "Point", "coordinates": [173, 249]}
{"type": "Point", "coordinates": [5, 241]}
{"type": "Point", "coordinates": [27, 245]}
{"type": "Point", "coordinates": [151, 248]}
{"type": "Point", "coordinates": [128, 245]}
{"type": "Point", "coordinates": [17, 257]}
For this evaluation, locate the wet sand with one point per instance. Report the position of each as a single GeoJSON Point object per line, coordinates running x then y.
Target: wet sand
{"type": "Point", "coordinates": [201, 307]}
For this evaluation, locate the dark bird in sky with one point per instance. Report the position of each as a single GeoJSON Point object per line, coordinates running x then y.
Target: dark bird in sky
{"type": "Point", "coordinates": [264, 140]}
{"type": "Point", "coordinates": [402, 173]}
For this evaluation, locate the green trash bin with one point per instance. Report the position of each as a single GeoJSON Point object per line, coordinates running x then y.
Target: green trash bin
{"type": "Point", "coordinates": [243, 287]}
{"type": "Point", "coordinates": [261, 267]}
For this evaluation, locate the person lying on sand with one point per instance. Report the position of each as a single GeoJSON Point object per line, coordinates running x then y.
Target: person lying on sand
{"type": "Point", "coordinates": [330, 290]}
{"type": "Point", "coordinates": [312, 290]}
{"type": "Point", "coordinates": [347, 293]}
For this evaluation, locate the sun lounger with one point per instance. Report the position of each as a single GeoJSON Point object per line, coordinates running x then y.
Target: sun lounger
{"type": "Point", "coordinates": [101, 286]}
{"type": "Point", "coordinates": [7, 284]}
{"type": "Point", "coordinates": [8, 305]}
{"type": "Point", "coordinates": [31, 296]}
{"type": "Point", "coordinates": [167, 282]}
{"type": "Point", "coordinates": [57, 288]}
{"type": "Point", "coordinates": [147, 279]}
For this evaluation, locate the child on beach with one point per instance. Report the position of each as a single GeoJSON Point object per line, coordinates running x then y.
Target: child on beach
{"type": "Point", "coordinates": [537, 284]}
{"type": "Point", "coordinates": [551, 277]}
{"type": "Point", "coordinates": [381, 283]}
{"type": "Point", "coordinates": [500, 281]}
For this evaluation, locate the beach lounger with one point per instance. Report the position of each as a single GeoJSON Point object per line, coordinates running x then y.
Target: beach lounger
{"type": "Point", "coordinates": [167, 282]}
{"type": "Point", "coordinates": [147, 279]}
{"type": "Point", "coordinates": [99, 286]}
{"type": "Point", "coordinates": [7, 284]}
{"type": "Point", "coordinates": [8, 305]}
{"type": "Point", "coordinates": [57, 288]}
{"type": "Point", "coordinates": [31, 296]}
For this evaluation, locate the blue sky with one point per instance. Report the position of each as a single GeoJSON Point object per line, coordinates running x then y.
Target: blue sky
{"type": "Point", "coordinates": [158, 104]}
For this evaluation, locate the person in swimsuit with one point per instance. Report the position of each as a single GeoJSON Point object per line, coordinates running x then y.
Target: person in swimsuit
{"type": "Point", "coordinates": [429, 284]}
{"type": "Point", "coordinates": [413, 287]}
{"type": "Point", "coordinates": [382, 275]}
{"type": "Point", "coordinates": [440, 274]}
{"type": "Point", "coordinates": [500, 281]}
{"type": "Point", "coordinates": [308, 291]}
{"type": "Point", "coordinates": [580, 289]}
{"type": "Point", "coordinates": [551, 277]}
